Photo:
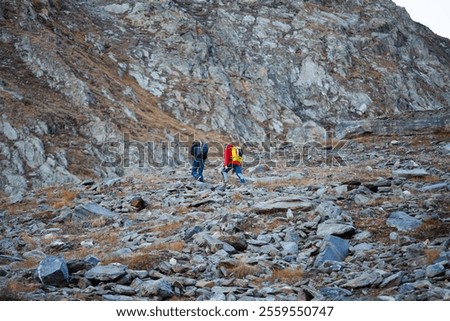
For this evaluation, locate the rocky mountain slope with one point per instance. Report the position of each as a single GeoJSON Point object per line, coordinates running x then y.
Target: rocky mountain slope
{"type": "Point", "coordinates": [343, 106]}
{"type": "Point", "coordinates": [376, 229]}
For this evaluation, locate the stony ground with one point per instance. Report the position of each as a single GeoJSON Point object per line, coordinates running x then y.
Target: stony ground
{"type": "Point", "coordinates": [374, 226]}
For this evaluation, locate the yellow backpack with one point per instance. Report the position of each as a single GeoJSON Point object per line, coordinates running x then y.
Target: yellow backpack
{"type": "Point", "coordinates": [236, 154]}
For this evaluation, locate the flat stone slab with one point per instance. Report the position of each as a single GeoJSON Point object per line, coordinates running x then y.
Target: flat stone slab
{"type": "Point", "coordinates": [330, 228]}
{"type": "Point", "coordinates": [402, 221]}
{"type": "Point", "coordinates": [106, 273]}
{"type": "Point", "coordinates": [434, 187]}
{"type": "Point", "coordinates": [284, 204]}
{"type": "Point", "coordinates": [364, 280]}
{"type": "Point", "coordinates": [92, 210]}
{"type": "Point", "coordinates": [418, 172]}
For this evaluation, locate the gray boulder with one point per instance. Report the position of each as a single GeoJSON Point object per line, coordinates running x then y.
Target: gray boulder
{"type": "Point", "coordinates": [328, 210]}
{"type": "Point", "coordinates": [156, 287]}
{"type": "Point", "coordinates": [363, 280]}
{"type": "Point", "coordinates": [333, 249]}
{"type": "Point", "coordinates": [106, 273]}
{"type": "Point", "coordinates": [91, 210]}
{"type": "Point", "coordinates": [335, 293]}
{"type": "Point", "coordinates": [332, 228]}
{"type": "Point", "coordinates": [417, 172]}
{"type": "Point", "coordinates": [435, 270]}
{"type": "Point", "coordinates": [402, 221]}
{"type": "Point", "coordinates": [282, 205]}
{"type": "Point", "coordinates": [52, 270]}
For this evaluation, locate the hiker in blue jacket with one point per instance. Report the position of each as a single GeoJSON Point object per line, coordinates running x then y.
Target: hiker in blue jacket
{"type": "Point", "coordinates": [199, 151]}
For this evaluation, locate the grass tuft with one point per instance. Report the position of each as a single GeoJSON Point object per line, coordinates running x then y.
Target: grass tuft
{"type": "Point", "coordinates": [243, 269]}
{"type": "Point", "coordinates": [289, 275]}
{"type": "Point", "coordinates": [64, 198]}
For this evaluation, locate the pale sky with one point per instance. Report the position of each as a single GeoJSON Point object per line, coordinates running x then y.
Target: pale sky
{"type": "Point", "coordinates": [432, 13]}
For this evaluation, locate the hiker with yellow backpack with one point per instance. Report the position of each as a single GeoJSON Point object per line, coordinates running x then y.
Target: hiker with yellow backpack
{"type": "Point", "coordinates": [232, 160]}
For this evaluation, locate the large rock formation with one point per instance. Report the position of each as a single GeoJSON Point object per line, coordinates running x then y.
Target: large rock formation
{"type": "Point", "coordinates": [82, 81]}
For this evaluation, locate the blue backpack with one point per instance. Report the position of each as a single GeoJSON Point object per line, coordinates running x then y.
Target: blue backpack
{"type": "Point", "coordinates": [204, 151]}
{"type": "Point", "coordinates": [199, 151]}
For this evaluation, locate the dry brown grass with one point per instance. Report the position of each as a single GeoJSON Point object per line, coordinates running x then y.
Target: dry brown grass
{"type": "Point", "coordinates": [106, 238]}
{"type": "Point", "coordinates": [148, 257]}
{"type": "Point", "coordinates": [289, 275]}
{"type": "Point", "coordinates": [64, 198]}
{"type": "Point", "coordinates": [276, 222]}
{"type": "Point", "coordinates": [99, 222]}
{"type": "Point", "coordinates": [13, 289]}
{"type": "Point", "coordinates": [432, 229]}
{"type": "Point", "coordinates": [425, 179]}
{"type": "Point", "coordinates": [30, 240]}
{"type": "Point", "coordinates": [174, 246]}
{"type": "Point", "coordinates": [375, 225]}
{"type": "Point", "coordinates": [358, 173]}
{"type": "Point", "coordinates": [242, 270]}
{"type": "Point", "coordinates": [383, 200]}
{"type": "Point", "coordinates": [30, 263]}
{"type": "Point", "coordinates": [17, 208]}
{"type": "Point", "coordinates": [432, 255]}
{"type": "Point", "coordinates": [144, 181]}
{"type": "Point", "coordinates": [166, 230]}
{"type": "Point", "coordinates": [138, 261]}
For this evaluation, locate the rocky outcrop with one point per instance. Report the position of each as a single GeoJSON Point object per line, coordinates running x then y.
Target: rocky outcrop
{"type": "Point", "coordinates": [272, 67]}
{"type": "Point", "coordinates": [91, 77]}
{"type": "Point", "coordinates": [25, 162]}
{"type": "Point", "coordinates": [419, 123]}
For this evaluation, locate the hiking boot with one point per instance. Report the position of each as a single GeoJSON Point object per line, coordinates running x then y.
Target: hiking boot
{"type": "Point", "coordinates": [225, 177]}
{"type": "Point", "coordinates": [241, 179]}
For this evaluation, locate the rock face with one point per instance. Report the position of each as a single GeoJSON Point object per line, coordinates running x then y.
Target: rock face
{"type": "Point", "coordinates": [83, 83]}
{"type": "Point", "coordinates": [421, 122]}
{"type": "Point", "coordinates": [272, 67]}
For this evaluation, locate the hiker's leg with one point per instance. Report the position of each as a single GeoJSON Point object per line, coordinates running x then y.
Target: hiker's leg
{"type": "Point", "coordinates": [195, 166]}
{"type": "Point", "coordinates": [238, 171]}
{"type": "Point", "coordinates": [225, 171]}
{"type": "Point", "coordinates": [201, 167]}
